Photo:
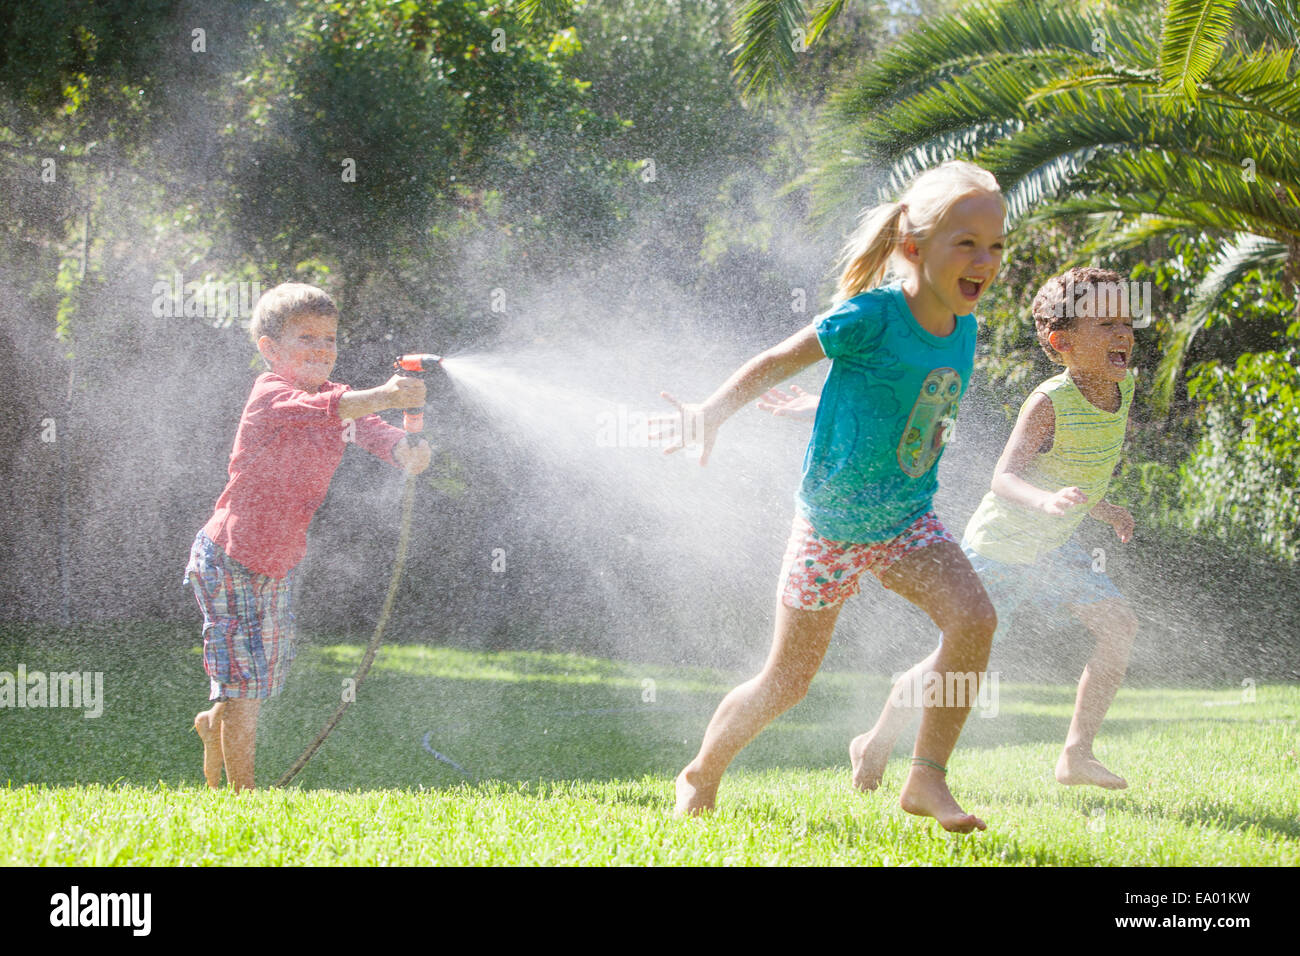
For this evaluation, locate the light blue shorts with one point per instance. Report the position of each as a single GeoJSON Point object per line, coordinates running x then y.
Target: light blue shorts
{"type": "Point", "coordinates": [1058, 581]}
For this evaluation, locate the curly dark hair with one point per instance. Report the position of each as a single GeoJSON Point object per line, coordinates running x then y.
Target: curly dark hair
{"type": "Point", "coordinates": [1053, 307]}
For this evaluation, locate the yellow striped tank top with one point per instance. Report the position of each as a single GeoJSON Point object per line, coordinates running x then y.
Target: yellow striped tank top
{"type": "Point", "coordinates": [1086, 445]}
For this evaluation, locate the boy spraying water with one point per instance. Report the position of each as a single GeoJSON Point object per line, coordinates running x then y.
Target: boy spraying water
{"type": "Point", "coordinates": [290, 441]}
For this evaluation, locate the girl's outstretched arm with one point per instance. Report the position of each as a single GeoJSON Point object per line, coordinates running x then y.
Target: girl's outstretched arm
{"type": "Point", "coordinates": [700, 423]}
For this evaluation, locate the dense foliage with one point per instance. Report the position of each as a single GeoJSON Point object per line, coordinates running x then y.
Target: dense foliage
{"type": "Point", "coordinates": [415, 157]}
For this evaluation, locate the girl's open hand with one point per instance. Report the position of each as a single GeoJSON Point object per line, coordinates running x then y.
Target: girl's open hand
{"type": "Point", "coordinates": [1065, 499]}
{"type": "Point", "coordinates": [690, 425]}
{"type": "Point", "coordinates": [798, 404]}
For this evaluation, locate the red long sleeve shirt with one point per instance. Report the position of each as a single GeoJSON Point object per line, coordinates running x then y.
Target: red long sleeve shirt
{"type": "Point", "coordinates": [288, 446]}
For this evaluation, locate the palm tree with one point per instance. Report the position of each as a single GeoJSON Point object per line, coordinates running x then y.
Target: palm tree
{"type": "Point", "coordinates": [1081, 116]}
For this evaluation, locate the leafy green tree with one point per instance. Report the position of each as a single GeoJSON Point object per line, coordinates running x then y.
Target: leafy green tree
{"type": "Point", "coordinates": [1240, 485]}
{"type": "Point", "coordinates": [370, 127]}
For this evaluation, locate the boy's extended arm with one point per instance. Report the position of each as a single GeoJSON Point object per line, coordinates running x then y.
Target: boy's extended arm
{"type": "Point", "coordinates": [1033, 432]}
{"type": "Point", "coordinates": [377, 436]}
{"type": "Point", "coordinates": [398, 392]}
{"type": "Point", "coordinates": [751, 380]}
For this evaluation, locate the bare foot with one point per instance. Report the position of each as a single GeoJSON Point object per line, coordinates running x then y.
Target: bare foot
{"type": "Point", "coordinates": [869, 755]}
{"type": "Point", "coordinates": [1076, 769]}
{"type": "Point", "coordinates": [210, 733]}
{"type": "Point", "coordinates": [926, 794]}
{"type": "Point", "coordinates": [693, 798]}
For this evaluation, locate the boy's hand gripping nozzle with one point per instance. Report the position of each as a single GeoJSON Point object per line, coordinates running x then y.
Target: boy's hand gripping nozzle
{"type": "Point", "coordinates": [413, 418]}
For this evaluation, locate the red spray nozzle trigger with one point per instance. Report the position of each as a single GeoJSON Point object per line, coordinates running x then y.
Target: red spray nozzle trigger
{"type": "Point", "coordinates": [417, 362]}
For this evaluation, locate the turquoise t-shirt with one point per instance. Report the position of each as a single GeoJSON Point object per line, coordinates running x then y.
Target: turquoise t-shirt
{"type": "Point", "coordinates": [886, 411]}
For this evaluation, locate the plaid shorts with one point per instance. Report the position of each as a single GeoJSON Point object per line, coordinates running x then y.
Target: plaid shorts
{"type": "Point", "coordinates": [247, 623]}
{"type": "Point", "coordinates": [820, 573]}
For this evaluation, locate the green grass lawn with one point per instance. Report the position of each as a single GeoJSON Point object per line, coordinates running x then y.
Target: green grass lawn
{"type": "Point", "coordinates": [566, 759]}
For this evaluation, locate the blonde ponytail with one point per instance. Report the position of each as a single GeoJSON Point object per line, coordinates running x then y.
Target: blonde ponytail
{"type": "Point", "coordinates": [871, 250]}
{"type": "Point", "coordinates": [867, 253]}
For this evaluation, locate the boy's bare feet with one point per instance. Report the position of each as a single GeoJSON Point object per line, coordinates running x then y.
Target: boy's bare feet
{"type": "Point", "coordinates": [869, 754]}
{"type": "Point", "coordinates": [1080, 768]}
{"type": "Point", "coordinates": [692, 797]}
{"type": "Point", "coordinates": [208, 725]}
{"type": "Point", "coordinates": [926, 794]}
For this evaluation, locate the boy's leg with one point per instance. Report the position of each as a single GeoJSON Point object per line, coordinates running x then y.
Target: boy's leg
{"type": "Point", "coordinates": [798, 646]}
{"type": "Point", "coordinates": [1114, 626]}
{"type": "Point", "coordinates": [208, 725]}
{"type": "Point", "coordinates": [938, 579]}
{"type": "Point", "coordinates": [869, 752]}
{"type": "Point", "coordinates": [239, 740]}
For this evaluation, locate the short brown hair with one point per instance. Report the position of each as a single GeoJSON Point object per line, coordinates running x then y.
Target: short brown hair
{"type": "Point", "coordinates": [1053, 309]}
{"type": "Point", "coordinates": [285, 302]}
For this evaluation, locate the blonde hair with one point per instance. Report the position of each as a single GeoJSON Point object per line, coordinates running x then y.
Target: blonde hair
{"type": "Point", "coordinates": [873, 247]}
{"type": "Point", "coordinates": [287, 301]}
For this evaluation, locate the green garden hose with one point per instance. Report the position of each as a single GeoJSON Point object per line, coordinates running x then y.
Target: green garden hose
{"type": "Point", "coordinates": [403, 537]}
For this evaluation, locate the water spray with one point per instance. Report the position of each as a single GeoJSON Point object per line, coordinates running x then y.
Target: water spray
{"type": "Point", "coordinates": [413, 423]}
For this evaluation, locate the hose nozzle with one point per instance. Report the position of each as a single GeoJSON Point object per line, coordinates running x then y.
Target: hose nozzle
{"type": "Point", "coordinates": [417, 362]}
{"type": "Point", "coordinates": [413, 418]}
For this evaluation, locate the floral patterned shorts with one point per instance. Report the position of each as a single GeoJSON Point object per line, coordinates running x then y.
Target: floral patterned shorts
{"type": "Point", "coordinates": [820, 573]}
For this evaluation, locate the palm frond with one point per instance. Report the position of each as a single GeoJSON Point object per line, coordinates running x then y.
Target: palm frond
{"type": "Point", "coordinates": [1036, 32]}
{"type": "Point", "coordinates": [1191, 41]}
{"type": "Point", "coordinates": [1259, 82]}
{"type": "Point", "coordinates": [764, 33]}
{"type": "Point", "coordinates": [528, 9]}
{"type": "Point", "coordinates": [1107, 233]}
{"type": "Point", "coordinates": [1279, 20]}
{"type": "Point", "coordinates": [1263, 83]}
{"type": "Point", "coordinates": [1044, 182]}
{"type": "Point", "coordinates": [985, 96]}
{"type": "Point", "coordinates": [826, 11]}
{"type": "Point", "coordinates": [1207, 202]}
{"type": "Point", "coordinates": [1211, 139]}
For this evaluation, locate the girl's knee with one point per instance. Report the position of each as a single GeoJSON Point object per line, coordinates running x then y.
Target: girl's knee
{"type": "Point", "coordinates": [785, 690]}
{"type": "Point", "coordinates": [973, 625]}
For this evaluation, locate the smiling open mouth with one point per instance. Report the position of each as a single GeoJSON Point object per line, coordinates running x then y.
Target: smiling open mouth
{"type": "Point", "coordinates": [1118, 358]}
{"type": "Point", "coordinates": [970, 288]}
